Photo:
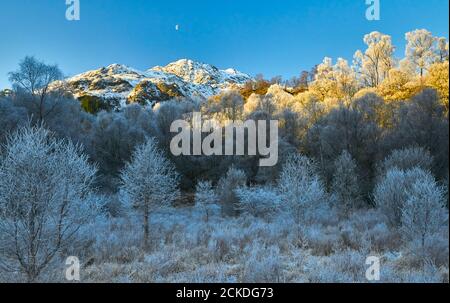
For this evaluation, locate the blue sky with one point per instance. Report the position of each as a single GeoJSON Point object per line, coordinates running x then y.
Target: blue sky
{"type": "Point", "coordinates": [254, 36]}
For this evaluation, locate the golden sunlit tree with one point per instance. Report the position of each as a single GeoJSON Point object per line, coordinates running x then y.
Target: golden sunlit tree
{"type": "Point", "coordinates": [373, 65]}
{"type": "Point", "coordinates": [334, 81]}
{"type": "Point", "coordinates": [437, 78]}
{"type": "Point", "coordinates": [398, 86]}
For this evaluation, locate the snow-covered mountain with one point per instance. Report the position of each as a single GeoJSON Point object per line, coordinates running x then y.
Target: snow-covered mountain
{"type": "Point", "coordinates": [116, 85]}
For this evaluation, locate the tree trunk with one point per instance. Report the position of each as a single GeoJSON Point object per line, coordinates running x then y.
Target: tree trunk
{"type": "Point", "coordinates": [146, 227]}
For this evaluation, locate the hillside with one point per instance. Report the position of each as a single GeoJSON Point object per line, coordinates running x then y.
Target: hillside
{"type": "Point", "coordinates": [116, 85]}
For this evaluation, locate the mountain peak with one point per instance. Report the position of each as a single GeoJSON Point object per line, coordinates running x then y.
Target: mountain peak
{"type": "Point", "coordinates": [185, 61]}
{"type": "Point", "coordinates": [189, 70]}
{"type": "Point", "coordinates": [117, 68]}
{"type": "Point", "coordinates": [182, 78]}
{"type": "Point", "coordinates": [201, 73]}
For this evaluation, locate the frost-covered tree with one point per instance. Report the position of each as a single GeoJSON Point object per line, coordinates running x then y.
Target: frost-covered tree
{"type": "Point", "coordinates": [423, 214]}
{"type": "Point", "coordinates": [205, 196]}
{"type": "Point", "coordinates": [115, 135]}
{"type": "Point", "coordinates": [259, 202]}
{"type": "Point", "coordinates": [323, 85]}
{"type": "Point", "coordinates": [334, 81]}
{"type": "Point", "coordinates": [45, 185]}
{"type": "Point", "coordinates": [422, 122]}
{"type": "Point", "coordinates": [420, 49]}
{"type": "Point", "coordinates": [392, 192]}
{"type": "Point", "coordinates": [344, 128]}
{"type": "Point", "coordinates": [374, 64]}
{"type": "Point", "coordinates": [34, 78]}
{"type": "Point", "coordinates": [345, 183]}
{"type": "Point", "coordinates": [406, 158]}
{"type": "Point", "coordinates": [150, 181]}
{"type": "Point", "coordinates": [276, 98]}
{"type": "Point", "coordinates": [11, 117]}
{"type": "Point", "coordinates": [442, 49]}
{"type": "Point", "coordinates": [371, 106]}
{"type": "Point", "coordinates": [227, 106]}
{"type": "Point", "coordinates": [264, 103]}
{"type": "Point", "coordinates": [300, 187]}
{"type": "Point", "coordinates": [167, 112]}
{"type": "Point", "coordinates": [345, 78]}
{"type": "Point", "coordinates": [229, 201]}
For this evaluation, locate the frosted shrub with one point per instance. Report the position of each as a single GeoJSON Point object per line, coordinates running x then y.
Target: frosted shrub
{"type": "Point", "coordinates": [423, 213]}
{"type": "Point", "coordinates": [428, 273]}
{"type": "Point", "coordinates": [220, 245]}
{"type": "Point", "coordinates": [149, 181]}
{"type": "Point", "coordinates": [45, 189]}
{"type": "Point", "coordinates": [382, 238]}
{"type": "Point", "coordinates": [258, 201]}
{"type": "Point", "coordinates": [263, 265]}
{"type": "Point", "coordinates": [391, 192]}
{"type": "Point", "coordinates": [205, 196]}
{"type": "Point", "coordinates": [319, 241]}
{"type": "Point", "coordinates": [116, 239]}
{"type": "Point", "coordinates": [345, 182]}
{"type": "Point", "coordinates": [209, 273]}
{"type": "Point", "coordinates": [229, 201]}
{"type": "Point", "coordinates": [343, 267]}
{"type": "Point", "coordinates": [300, 187]}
